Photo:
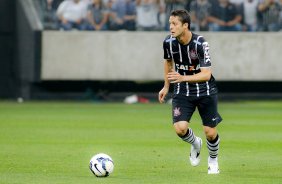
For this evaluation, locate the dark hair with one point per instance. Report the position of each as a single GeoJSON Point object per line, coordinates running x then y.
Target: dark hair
{"type": "Point", "coordinates": [183, 15]}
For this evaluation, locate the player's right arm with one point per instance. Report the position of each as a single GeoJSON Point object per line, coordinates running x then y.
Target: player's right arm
{"type": "Point", "coordinates": [168, 67]}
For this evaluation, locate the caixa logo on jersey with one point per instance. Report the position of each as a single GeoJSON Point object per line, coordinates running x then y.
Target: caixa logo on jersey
{"type": "Point", "coordinates": [206, 52]}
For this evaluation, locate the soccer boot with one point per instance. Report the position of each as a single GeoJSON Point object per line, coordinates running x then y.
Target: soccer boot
{"type": "Point", "coordinates": [195, 153]}
{"type": "Point", "coordinates": [213, 166]}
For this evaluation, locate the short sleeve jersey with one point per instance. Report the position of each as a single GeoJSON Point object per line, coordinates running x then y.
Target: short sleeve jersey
{"type": "Point", "coordinates": [188, 59]}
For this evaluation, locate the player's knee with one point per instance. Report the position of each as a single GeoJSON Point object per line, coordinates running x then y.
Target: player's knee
{"type": "Point", "coordinates": [210, 133]}
{"type": "Point", "coordinates": [181, 128]}
{"type": "Point", "coordinates": [180, 132]}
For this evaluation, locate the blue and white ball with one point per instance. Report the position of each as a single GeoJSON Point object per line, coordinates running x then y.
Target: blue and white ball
{"type": "Point", "coordinates": [101, 165]}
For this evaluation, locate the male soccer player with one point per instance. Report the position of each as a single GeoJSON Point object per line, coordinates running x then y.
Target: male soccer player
{"type": "Point", "coordinates": [188, 66]}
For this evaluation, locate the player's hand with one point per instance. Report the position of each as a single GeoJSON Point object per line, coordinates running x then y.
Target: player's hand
{"type": "Point", "coordinates": [162, 94]}
{"type": "Point", "coordinates": [174, 77]}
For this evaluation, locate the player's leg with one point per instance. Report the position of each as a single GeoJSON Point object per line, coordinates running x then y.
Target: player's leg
{"type": "Point", "coordinates": [182, 110]}
{"type": "Point", "coordinates": [187, 135]}
{"type": "Point", "coordinates": [213, 141]}
{"type": "Point", "coordinates": [208, 110]}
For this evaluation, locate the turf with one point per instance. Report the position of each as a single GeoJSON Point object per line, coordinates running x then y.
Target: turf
{"type": "Point", "coordinates": [52, 142]}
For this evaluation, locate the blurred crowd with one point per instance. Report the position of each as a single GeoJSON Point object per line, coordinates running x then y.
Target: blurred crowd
{"type": "Point", "coordinates": [152, 15]}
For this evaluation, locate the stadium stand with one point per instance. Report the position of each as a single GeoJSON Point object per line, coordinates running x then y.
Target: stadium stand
{"type": "Point", "coordinates": [36, 64]}
{"type": "Point", "coordinates": [255, 15]}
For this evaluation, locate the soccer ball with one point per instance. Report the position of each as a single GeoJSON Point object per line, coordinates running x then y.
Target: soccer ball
{"type": "Point", "coordinates": [101, 165]}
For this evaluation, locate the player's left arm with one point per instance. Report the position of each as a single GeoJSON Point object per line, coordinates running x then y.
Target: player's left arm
{"type": "Point", "coordinates": [205, 67]}
{"type": "Point", "coordinates": [202, 76]}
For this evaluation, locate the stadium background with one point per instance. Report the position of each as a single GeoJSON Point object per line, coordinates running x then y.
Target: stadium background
{"type": "Point", "coordinates": [21, 53]}
{"type": "Point", "coordinates": [52, 141]}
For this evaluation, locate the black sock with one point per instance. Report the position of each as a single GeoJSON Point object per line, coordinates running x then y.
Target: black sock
{"type": "Point", "coordinates": [213, 147]}
{"type": "Point", "coordinates": [189, 136]}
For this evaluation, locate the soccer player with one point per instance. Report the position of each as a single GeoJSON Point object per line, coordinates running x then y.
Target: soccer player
{"type": "Point", "coordinates": [187, 65]}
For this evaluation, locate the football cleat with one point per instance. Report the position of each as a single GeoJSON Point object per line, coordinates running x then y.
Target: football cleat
{"type": "Point", "coordinates": [213, 166]}
{"type": "Point", "coordinates": [195, 153]}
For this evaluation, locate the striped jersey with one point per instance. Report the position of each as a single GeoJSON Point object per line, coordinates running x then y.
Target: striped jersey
{"type": "Point", "coordinates": [188, 59]}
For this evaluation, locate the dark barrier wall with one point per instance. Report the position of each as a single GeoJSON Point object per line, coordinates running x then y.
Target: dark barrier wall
{"type": "Point", "coordinates": [20, 46]}
{"type": "Point", "coordinates": [28, 36]}
{"type": "Point", "coordinates": [7, 49]}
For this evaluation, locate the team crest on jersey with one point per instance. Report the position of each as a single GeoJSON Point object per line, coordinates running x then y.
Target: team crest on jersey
{"type": "Point", "coordinates": [193, 54]}
{"type": "Point", "coordinates": [176, 111]}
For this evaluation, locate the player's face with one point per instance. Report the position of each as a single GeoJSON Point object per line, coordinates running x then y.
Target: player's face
{"type": "Point", "coordinates": [176, 27]}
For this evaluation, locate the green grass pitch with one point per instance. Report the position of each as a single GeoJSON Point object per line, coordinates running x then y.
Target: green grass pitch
{"type": "Point", "coordinates": [52, 143]}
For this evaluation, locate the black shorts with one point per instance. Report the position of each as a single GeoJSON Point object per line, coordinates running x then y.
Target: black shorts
{"type": "Point", "coordinates": [183, 108]}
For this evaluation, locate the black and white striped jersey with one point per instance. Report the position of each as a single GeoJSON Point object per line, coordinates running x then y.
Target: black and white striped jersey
{"type": "Point", "coordinates": [188, 59]}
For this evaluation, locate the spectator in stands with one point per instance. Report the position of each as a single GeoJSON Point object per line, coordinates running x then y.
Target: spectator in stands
{"type": "Point", "coordinates": [147, 14]}
{"type": "Point", "coordinates": [162, 16]}
{"type": "Point", "coordinates": [199, 10]}
{"type": "Point", "coordinates": [87, 2]}
{"type": "Point", "coordinates": [49, 13]}
{"type": "Point", "coordinates": [173, 5]}
{"type": "Point", "coordinates": [225, 16]}
{"type": "Point", "coordinates": [249, 15]}
{"type": "Point", "coordinates": [122, 14]}
{"type": "Point", "coordinates": [72, 14]}
{"type": "Point", "coordinates": [237, 2]}
{"type": "Point", "coordinates": [97, 16]}
{"type": "Point", "coordinates": [130, 15]}
{"type": "Point", "coordinates": [270, 12]}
